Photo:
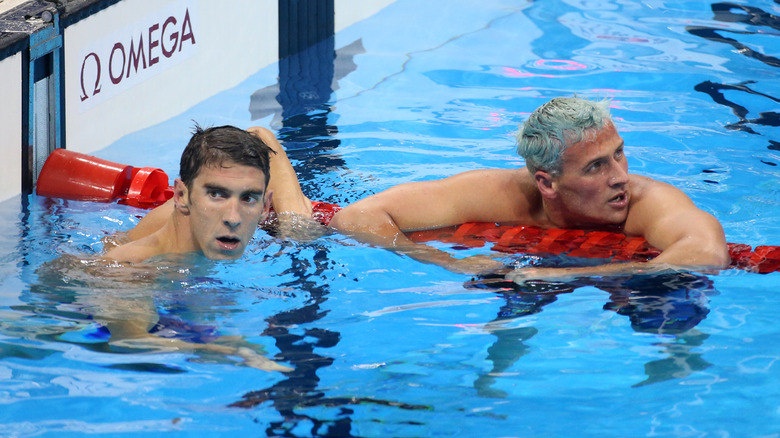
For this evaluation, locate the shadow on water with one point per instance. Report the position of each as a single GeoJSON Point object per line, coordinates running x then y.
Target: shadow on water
{"type": "Point", "coordinates": [301, 107]}
{"type": "Point", "coordinates": [671, 305]}
{"type": "Point", "coordinates": [752, 16]}
{"type": "Point", "coordinates": [300, 388]}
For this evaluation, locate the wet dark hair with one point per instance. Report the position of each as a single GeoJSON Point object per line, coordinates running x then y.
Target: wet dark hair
{"type": "Point", "coordinates": [219, 145]}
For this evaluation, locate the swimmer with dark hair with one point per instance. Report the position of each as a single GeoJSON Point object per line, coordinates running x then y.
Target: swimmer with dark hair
{"type": "Point", "coordinates": [222, 193]}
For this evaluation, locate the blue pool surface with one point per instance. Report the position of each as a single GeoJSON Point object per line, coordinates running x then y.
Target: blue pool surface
{"type": "Point", "coordinates": [385, 346]}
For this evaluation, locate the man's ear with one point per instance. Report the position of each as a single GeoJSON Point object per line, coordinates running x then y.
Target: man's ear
{"type": "Point", "coordinates": [545, 184]}
{"type": "Point", "coordinates": [269, 199]}
{"type": "Point", "coordinates": [181, 198]}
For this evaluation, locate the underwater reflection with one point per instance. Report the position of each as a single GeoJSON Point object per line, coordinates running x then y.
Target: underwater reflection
{"type": "Point", "coordinates": [760, 23]}
{"type": "Point", "coordinates": [736, 13]}
{"type": "Point", "coordinates": [301, 107]}
{"type": "Point", "coordinates": [299, 340]}
{"type": "Point", "coordinates": [670, 305]}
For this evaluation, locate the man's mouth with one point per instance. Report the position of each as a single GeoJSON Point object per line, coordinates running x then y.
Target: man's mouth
{"type": "Point", "coordinates": [619, 200]}
{"type": "Point", "coordinates": [228, 243]}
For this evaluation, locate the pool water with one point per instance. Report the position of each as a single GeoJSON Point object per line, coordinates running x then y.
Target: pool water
{"type": "Point", "coordinates": [385, 346]}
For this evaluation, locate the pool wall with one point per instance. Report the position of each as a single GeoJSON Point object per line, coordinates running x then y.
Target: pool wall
{"type": "Point", "coordinates": [84, 74]}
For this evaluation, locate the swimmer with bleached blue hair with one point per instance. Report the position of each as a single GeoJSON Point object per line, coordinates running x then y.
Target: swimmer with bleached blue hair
{"type": "Point", "coordinates": [576, 177]}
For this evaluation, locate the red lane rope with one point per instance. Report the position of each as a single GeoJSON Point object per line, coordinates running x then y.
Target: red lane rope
{"type": "Point", "coordinates": [572, 243]}
{"type": "Point", "coordinates": [579, 243]}
{"type": "Point", "coordinates": [72, 175]}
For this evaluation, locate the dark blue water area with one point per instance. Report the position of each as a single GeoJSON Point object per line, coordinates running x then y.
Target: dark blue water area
{"type": "Point", "coordinates": [382, 345]}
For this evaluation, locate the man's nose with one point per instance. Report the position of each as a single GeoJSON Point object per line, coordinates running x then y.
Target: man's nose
{"type": "Point", "coordinates": [619, 174]}
{"type": "Point", "coordinates": [232, 216]}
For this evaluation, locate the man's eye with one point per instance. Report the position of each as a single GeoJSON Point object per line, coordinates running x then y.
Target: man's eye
{"type": "Point", "coordinates": [251, 199]}
{"type": "Point", "coordinates": [215, 194]}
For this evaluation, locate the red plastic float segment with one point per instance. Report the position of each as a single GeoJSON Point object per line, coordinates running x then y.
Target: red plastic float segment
{"type": "Point", "coordinates": [440, 234]}
{"type": "Point", "coordinates": [518, 239]}
{"type": "Point", "coordinates": [579, 243]}
{"type": "Point", "coordinates": [80, 177]}
{"type": "Point", "coordinates": [484, 231]}
{"type": "Point", "coordinates": [323, 212]}
{"type": "Point", "coordinates": [72, 175]}
{"type": "Point", "coordinates": [635, 249]}
{"type": "Point", "coordinates": [599, 244]}
{"type": "Point", "coordinates": [557, 241]}
{"type": "Point", "coordinates": [474, 234]}
{"type": "Point", "coordinates": [740, 255]}
{"type": "Point", "coordinates": [148, 188]}
{"type": "Point", "coordinates": [765, 259]}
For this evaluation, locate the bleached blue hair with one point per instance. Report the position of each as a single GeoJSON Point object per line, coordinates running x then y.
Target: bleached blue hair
{"type": "Point", "coordinates": [555, 126]}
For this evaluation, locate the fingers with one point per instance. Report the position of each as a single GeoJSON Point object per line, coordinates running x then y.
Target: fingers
{"type": "Point", "coordinates": [255, 360]}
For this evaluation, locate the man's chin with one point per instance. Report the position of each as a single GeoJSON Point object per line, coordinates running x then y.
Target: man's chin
{"type": "Point", "coordinates": [611, 221]}
{"type": "Point", "coordinates": [224, 255]}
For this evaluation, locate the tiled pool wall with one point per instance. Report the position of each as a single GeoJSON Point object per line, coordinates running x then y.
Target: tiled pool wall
{"type": "Point", "coordinates": [81, 74]}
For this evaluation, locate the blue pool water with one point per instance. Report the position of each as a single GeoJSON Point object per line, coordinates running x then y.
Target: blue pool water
{"type": "Point", "coordinates": [384, 346]}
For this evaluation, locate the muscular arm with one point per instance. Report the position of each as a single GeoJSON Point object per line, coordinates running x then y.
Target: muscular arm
{"type": "Point", "coordinates": [287, 194]}
{"type": "Point", "coordinates": [476, 196]}
{"type": "Point", "coordinates": [688, 237]}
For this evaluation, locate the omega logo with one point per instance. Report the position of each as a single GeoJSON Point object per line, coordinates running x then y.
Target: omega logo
{"type": "Point", "coordinates": [161, 41]}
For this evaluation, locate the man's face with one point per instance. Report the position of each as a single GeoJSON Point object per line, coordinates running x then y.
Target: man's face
{"type": "Point", "coordinates": [593, 187]}
{"type": "Point", "coordinates": [225, 205]}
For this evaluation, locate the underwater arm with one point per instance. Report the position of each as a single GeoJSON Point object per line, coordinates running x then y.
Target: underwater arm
{"type": "Point", "coordinates": [111, 295]}
{"type": "Point", "coordinates": [129, 320]}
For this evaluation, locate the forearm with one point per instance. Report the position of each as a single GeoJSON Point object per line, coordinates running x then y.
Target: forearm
{"type": "Point", "coordinates": [287, 194]}
{"type": "Point", "coordinates": [682, 257]}
{"type": "Point", "coordinates": [522, 275]}
{"type": "Point", "coordinates": [696, 253]}
{"type": "Point", "coordinates": [129, 322]}
{"type": "Point", "coordinates": [379, 229]}
{"type": "Point", "coordinates": [158, 344]}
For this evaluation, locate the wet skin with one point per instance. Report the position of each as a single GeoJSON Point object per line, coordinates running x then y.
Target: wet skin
{"type": "Point", "coordinates": [593, 189]}
{"type": "Point", "coordinates": [224, 206]}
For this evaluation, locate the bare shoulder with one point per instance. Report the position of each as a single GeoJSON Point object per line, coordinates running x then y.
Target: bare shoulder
{"type": "Point", "coordinates": [135, 251]}
{"type": "Point", "coordinates": [503, 175]}
{"type": "Point", "coordinates": [650, 195]}
{"type": "Point", "coordinates": [465, 186]}
{"type": "Point", "coordinates": [498, 195]}
{"type": "Point", "coordinates": [659, 207]}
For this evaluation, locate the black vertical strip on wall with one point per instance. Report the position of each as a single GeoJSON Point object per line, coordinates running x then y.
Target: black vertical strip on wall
{"type": "Point", "coordinates": [27, 174]}
{"type": "Point", "coordinates": [304, 23]}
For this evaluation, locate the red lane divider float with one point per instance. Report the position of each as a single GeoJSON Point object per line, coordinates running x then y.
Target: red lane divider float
{"type": "Point", "coordinates": [580, 243]}
{"type": "Point", "coordinates": [71, 175]}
